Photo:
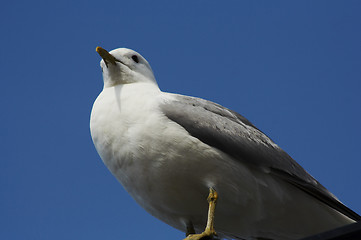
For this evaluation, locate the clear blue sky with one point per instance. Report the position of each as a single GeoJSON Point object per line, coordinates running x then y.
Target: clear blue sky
{"type": "Point", "coordinates": [293, 68]}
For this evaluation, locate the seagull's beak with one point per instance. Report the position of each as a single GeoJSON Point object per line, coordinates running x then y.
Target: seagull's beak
{"type": "Point", "coordinates": [107, 57]}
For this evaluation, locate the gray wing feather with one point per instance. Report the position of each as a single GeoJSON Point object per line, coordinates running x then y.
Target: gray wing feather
{"type": "Point", "coordinates": [233, 134]}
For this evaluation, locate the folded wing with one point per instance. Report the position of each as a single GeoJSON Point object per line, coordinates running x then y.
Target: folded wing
{"type": "Point", "coordinates": [233, 134]}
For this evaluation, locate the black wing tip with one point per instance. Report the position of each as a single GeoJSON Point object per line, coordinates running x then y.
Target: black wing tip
{"type": "Point", "coordinates": [319, 192]}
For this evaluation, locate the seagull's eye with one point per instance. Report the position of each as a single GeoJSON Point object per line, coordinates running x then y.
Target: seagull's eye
{"type": "Point", "coordinates": [135, 58]}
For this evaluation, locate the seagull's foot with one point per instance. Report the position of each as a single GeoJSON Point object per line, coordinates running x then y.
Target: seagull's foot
{"type": "Point", "coordinates": [209, 232]}
{"type": "Point", "coordinates": [202, 236]}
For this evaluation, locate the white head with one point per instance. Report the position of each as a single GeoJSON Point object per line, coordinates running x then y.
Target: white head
{"type": "Point", "coordinates": [124, 66]}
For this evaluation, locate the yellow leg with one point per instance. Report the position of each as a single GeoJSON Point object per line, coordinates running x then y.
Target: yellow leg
{"type": "Point", "coordinates": [209, 232]}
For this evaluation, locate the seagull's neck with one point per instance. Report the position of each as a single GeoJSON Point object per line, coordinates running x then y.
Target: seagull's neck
{"type": "Point", "coordinates": [132, 93]}
{"type": "Point", "coordinates": [146, 85]}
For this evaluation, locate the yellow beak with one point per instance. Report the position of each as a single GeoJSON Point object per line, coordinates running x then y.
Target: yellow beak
{"type": "Point", "coordinates": [107, 57]}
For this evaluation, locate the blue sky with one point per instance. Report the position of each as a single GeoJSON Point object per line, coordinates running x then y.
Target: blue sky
{"type": "Point", "coordinates": [293, 68]}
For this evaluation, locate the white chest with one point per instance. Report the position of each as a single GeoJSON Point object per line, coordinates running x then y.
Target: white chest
{"type": "Point", "coordinates": [120, 121]}
{"type": "Point", "coordinates": [139, 145]}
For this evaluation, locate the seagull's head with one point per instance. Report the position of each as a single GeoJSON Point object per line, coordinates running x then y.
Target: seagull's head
{"type": "Point", "coordinates": [124, 66]}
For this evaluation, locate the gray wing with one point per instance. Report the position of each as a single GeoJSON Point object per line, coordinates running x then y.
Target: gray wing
{"type": "Point", "coordinates": [233, 134]}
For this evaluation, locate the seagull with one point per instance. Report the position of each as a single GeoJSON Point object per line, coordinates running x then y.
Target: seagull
{"type": "Point", "coordinates": [171, 151]}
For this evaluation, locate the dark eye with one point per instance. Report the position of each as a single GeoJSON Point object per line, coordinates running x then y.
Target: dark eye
{"type": "Point", "coordinates": [135, 58]}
